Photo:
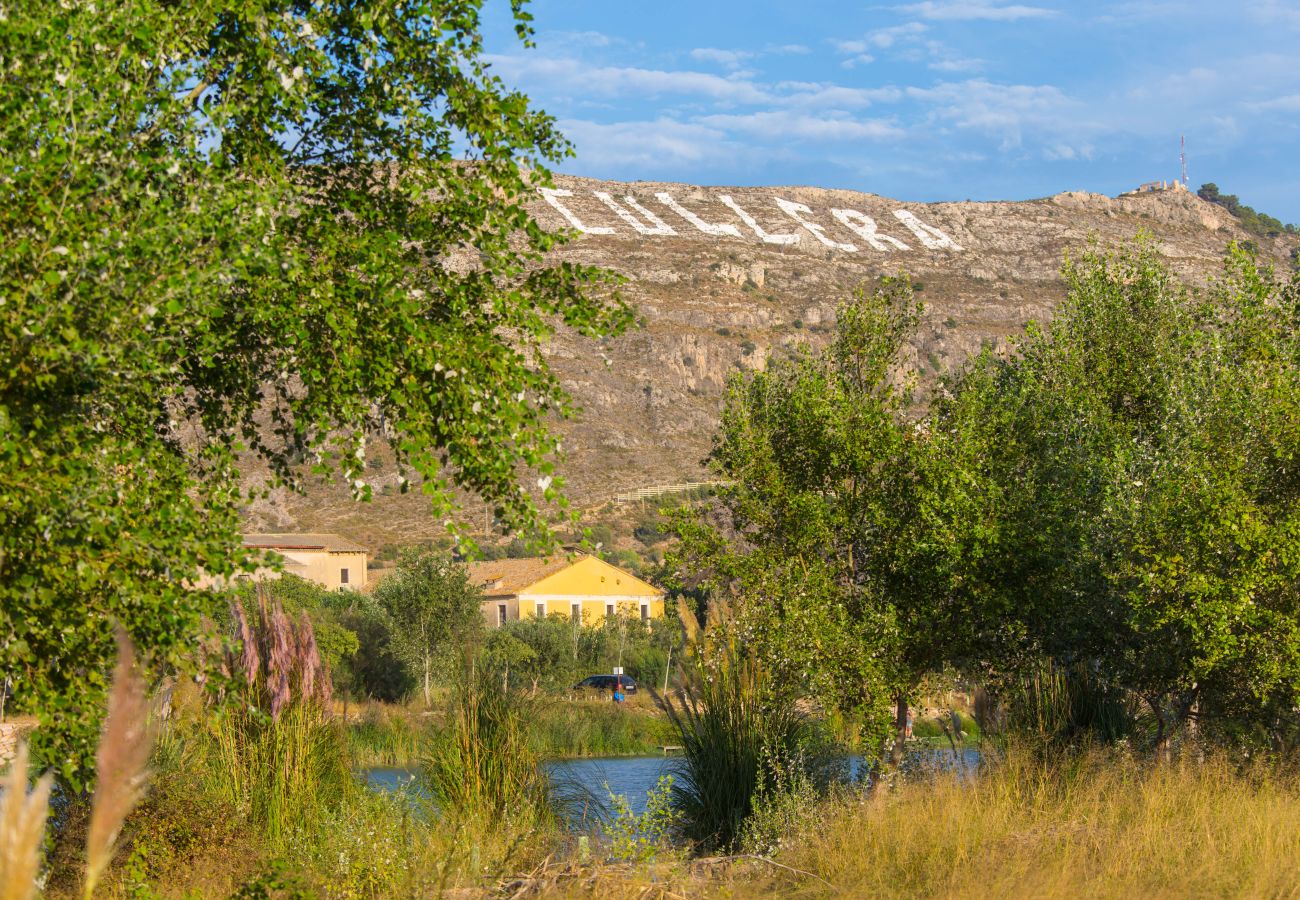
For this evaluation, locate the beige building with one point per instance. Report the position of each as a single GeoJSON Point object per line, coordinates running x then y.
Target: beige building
{"type": "Point", "coordinates": [584, 588]}
{"type": "Point", "coordinates": [330, 560]}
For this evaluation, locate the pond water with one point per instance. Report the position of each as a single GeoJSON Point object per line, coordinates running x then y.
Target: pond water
{"type": "Point", "coordinates": [585, 784]}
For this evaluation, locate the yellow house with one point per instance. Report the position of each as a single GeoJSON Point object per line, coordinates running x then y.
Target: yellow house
{"type": "Point", "coordinates": [585, 589]}
{"type": "Point", "coordinates": [331, 561]}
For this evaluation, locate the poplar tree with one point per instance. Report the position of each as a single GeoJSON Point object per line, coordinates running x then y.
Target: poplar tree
{"type": "Point", "coordinates": [241, 230]}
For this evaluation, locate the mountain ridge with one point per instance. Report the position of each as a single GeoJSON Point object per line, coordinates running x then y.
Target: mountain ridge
{"type": "Point", "coordinates": [723, 278]}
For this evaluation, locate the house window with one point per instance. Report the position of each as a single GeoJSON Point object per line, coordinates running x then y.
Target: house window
{"type": "Point", "coordinates": [343, 576]}
{"type": "Point", "coordinates": [541, 610]}
{"type": "Point", "coordinates": [577, 612]}
{"type": "Point", "coordinates": [501, 614]}
{"type": "Point", "coordinates": [609, 610]}
{"type": "Point", "coordinates": [645, 612]}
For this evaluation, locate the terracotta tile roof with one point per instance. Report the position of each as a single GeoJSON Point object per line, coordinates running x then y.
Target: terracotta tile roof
{"type": "Point", "coordinates": [331, 542]}
{"type": "Point", "coordinates": [505, 577]}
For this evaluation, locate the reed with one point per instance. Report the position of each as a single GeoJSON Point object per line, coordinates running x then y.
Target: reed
{"type": "Point", "coordinates": [121, 762]}
{"type": "Point", "coordinates": [273, 746]}
{"type": "Point", "coordinates": [481, 768]}
{"type": "Point", "coordinates": [1051, 706]}
{"type": "Point", "coordinates": [22, 828]}
{"type": "Point", "coordinates": [597, 728]}
{"type": "Point", "coordinates": [737, 739]}
{"type": "Point", "coordinates": [384, 735]}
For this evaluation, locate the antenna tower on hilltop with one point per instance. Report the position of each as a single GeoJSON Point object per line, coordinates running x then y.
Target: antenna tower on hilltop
{"type": "Point", "coordinates": [1182, 156]}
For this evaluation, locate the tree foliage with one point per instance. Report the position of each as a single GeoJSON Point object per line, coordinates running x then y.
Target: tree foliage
{"type": "Point", "coordinates": [1116, 500]}
{"type": "Point", "coordinates": [818, 555]}
{"type": "Point", "coordinates": [434, 610]}
{"type": "Point", "coordinates": [260, 226]}
{"type": "Point", "coordinates": [1143, 450]}
{"type": "Point", "coordinates": [1254, 222]}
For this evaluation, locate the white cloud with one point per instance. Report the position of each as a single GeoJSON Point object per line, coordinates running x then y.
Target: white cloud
{"type": "Point", "coordinates": [1278, 12]}
{"type": "Point", "coordinates": [1068, 153]}
{"type": "Point", "coordinates": [888, 37]}
{"type": "Point", "coordinates": [731, 59]}
{"type": "Point", "coordinates": [788, 124]}
{"type": "Point", "coordinates": [1006, 111]}
{"type": "Point", "coordinates": [646, 144]}
{"type": "Point", "coordinates": [968, 10]}
{"type": "Point", "coordinates": [957, 64]}
{"type": "Point", "coordinates": [790, 49]}
{"type": "Point", "coordinates": [807, 94]}
{"type": "Point", "coordinates": [618, 81]}
{"type": "Point", "coordinates": [1288, 103]}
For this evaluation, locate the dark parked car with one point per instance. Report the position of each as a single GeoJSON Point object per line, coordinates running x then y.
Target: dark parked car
{"type": "Point", "coordinates": [607, 683]}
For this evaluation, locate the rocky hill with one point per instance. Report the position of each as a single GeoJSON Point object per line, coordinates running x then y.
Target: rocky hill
{"type": "Point", "coordinates": [724, 278]}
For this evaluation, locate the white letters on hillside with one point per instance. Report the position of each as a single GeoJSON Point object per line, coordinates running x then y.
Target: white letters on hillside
{"type": "Point", "coordinates": [793, 210]}
{"type": "Point", "coordinates": [660, 226]}
{"type": "Point", "coordinates": [928, 235]}
{"type": "Point", "coordinates": [717, 230]}
{"type": "Point", "coordinates": [865, 227]}
{"type": "Point", "coordinates": [755, 227]}
{"type": "Point", "coordinates": [645, 222]}
{"type": "Point", "coordinates": [553, 195]}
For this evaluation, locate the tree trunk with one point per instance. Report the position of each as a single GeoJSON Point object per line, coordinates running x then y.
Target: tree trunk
{"type": "Point", "coordinates": [900, 731]}
{"type": "Point", "coordinates": [426, 681]}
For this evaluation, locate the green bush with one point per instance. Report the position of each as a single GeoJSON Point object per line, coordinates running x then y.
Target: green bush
{"type": "Point", "coordinates": [650, 530]}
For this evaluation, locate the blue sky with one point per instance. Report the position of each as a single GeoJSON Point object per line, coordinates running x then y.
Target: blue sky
{"type": "Point", "coordinates": [934, 100]}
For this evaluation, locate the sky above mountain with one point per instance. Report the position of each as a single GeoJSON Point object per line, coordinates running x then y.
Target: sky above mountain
{"type": "Point", "coordinates": [933, 100]}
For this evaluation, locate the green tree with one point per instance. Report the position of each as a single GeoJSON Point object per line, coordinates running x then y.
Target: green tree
{"type": "Point", "coordinates": [252, 226]}
{"type": "Point", "coordinates": [822, 554]}
{"type": "Point", "coordinates": [1142, 450]}
{"type": "Point", "coordinates": [434, 610]}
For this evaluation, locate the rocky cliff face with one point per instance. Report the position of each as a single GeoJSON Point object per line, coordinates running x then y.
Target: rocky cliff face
{"type": "Point", "coordinates": [724, 278]}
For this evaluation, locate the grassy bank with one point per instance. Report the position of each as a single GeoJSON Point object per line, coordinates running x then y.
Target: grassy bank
{"type": "Point", "coordinates": [1097, 824]}
{"type": "Point", "coordinates": [381, 734]}
{"type": "Point", "coordinates": [1101, 824]}
{"type": "Point", "coordinates": [565, 729]}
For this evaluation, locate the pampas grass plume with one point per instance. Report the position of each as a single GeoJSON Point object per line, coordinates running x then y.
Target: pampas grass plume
{"type": "Point", "coordinates": [22, 825]}
{"type": "Point", "coordinates": [120, 763]}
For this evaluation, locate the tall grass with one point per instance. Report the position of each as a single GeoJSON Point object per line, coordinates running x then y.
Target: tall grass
{"type": "Point", "coordinates": [284, 771]}
{"type": "Point", "coordinates": [273, 746]}
{"type": "Point", "coordinates": [597, 728]}
{"type": "Point", "coordinates": [737, 740]}
{"type": "Point", "coordinates": [1097, 823]}
{"type": "Point", "coordinates": [384, 736]}
{"type": "Point", "coordinates": [1052, 706]}
{"type": "Point", "coordinates": [481, 770]}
